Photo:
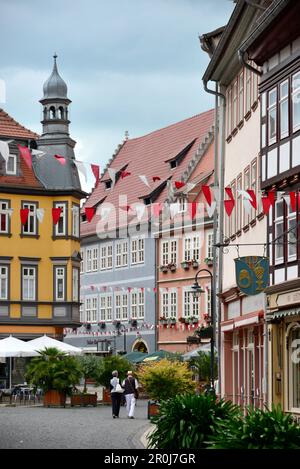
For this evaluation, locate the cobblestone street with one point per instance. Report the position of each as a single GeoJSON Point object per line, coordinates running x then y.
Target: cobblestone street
{"type": "Point", "coordinates": [39, 427]}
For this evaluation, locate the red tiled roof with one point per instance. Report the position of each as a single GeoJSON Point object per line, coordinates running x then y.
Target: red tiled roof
{"type": "Point", "coordinates": [26, 179]}
{"type": "Point", "coordinates": [11, 128]}
{"type": "Point", "coordinates": [148, 155]}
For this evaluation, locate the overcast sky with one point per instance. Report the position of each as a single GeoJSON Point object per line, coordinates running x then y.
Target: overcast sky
{"type": "Point", "coordinates": [131, 65]}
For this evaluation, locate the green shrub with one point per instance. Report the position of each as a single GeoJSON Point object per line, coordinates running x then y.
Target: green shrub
{"type": "Point", "coordinates": [189, 421]}
{"type": "Point", "coordinates": [53, 370]}
{"type": "Point", "coordinates": [259, 429]}
{"type": "Point", "coordinates": [201, 364]}
{"type": "Point", "coordinates": [165, 379]}
{"type": "Point", "coordinates": [108, 365]}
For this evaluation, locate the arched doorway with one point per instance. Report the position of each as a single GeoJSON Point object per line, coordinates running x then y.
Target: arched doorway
{"type": "Point", "coordinates": [140, 346]}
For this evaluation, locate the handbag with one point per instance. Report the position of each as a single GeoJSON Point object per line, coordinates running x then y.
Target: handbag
{"type": "Point", "coordinates": [119, 389]}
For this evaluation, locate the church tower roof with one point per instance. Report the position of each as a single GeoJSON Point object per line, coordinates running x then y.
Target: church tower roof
{"type": "Point", "coordinates": [55, 87]}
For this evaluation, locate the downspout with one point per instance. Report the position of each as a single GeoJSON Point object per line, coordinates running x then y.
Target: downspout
{"type": "Point", "coordinates": [219, 151]}
{"type": "Point", "coordinates": [243, 61]}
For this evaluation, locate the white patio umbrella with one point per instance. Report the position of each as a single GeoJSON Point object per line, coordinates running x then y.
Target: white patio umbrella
{"type": "Point", "coordinates": [40, 343]}
{"type": "Point", "coordinates": [194, 353]}
{"type": "Point", "coordinates": [11, 347]}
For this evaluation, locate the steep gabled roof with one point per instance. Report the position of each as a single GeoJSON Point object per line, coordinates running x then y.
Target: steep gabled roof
{"type": "Point", "coordinates": [11, 128]}
{"type": "Point", "coordinates": [150, 155]}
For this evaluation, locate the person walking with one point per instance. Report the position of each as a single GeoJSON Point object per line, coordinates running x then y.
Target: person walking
{"type": "Point", "coordinates": [130, 385]}
{"type": "Point", "coordinates": [115, 393]}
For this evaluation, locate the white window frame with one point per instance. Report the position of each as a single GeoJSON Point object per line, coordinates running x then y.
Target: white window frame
{"type": "Point", "coordinates": [62, 219]}
{"type": "Point", "coordinates": [253, 183]}
{"type": "Point", "coordinates": [32, 218]}
{"type": "Point", "coordinates": [291, 217]}
{"type": "Point", "coordinates": [12, 172]}
{"type": "Point", "coordinates": [82, 262]}
{"type": "Point", "coordinates": [4, 282]}
{"type": "Point", "coordinates": [88, 309]}
{"type": "Point", "coordinates": [248, 100]}
{"type": "Point", "coordinates": [124, 307]}
{"type": "Point", "coordinates": [191, 248]}
{"type": "Point", "coordinates": [272, 108]}
{"type": "Point", "coordinates": [76, 221]}
{"type": "Point", "coordinates": [190, 303]}
{"type": "Point", "coordinates": [81, 311]}
{"type": "Point", "coordinates": [75, 280]}
{"type": "Point", "coordinates": [118, 306]}
{"type": "Point", "coordinates": [105, 304]}
{"type": "Point", "coordinates": [209, 235]}
{"type": "Point", "coordinates": [141, 304]}
{"type": "Point", "coordinates": [295, 98]}
{"type": "Point", "coordinates": [57, 278]}
{"type": "Point", "coordinates": [30, 279]}
{"type": "Point", "coordinates": [137, 251]}
{"type": "Point", "coordinates": [169, 303]}
{"type": "Point", "coordinates": [121, 254]}
{"type": "Point", "coordinates": [241, 96]}
{"type": "Point", "coordinates": [279, 220]}
{"type": "Point", "coordinates": [235, 103]}
{"type": "Point", "coordinates": [94, 309]}
{"type": "Point", "coordinates": [89, 260]}
{"type": "Point", "coordinates": [284, 99]}
{"type": "Point", "coordinates": [95, 259]}
{"type": "Point", "coordinates": [4, 206]}
{"type": "Point", "coordinates": [134, 304]}
{"type": "Point", "coordinates": [182, 204]}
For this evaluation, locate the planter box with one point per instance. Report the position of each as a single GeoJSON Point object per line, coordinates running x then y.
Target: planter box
{"type": "Point", "coordinates": [185, 265]}
{"type": "Point", "coordinates": [153, 408]}
{"type": "Point", "coordinates": [206, 332]}
{"type": "Point", "coordinates": [195, 265]}
{"type": "Point", "coordinates": [54, 398]}
{"type": "Point", "coordinates": [106, 399]}
{"type": "Point", "coordinates": [84, 399]}
{"type": "Point", "coordinates": [164, 269]}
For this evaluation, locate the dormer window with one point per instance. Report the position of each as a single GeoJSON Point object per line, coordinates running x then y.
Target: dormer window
{"type": "Point", "coordinates": [182, 204]}
{"type": "Point", "coordinates": [173, 164]}
{"type": "Point", "coordinates": [147, 201]}
{"type": "Point", "coordinates": [108, 185]}
{"type": "Point", "coordinates": [11, 165]}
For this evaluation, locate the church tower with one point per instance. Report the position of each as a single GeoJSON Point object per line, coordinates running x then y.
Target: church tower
{"type": "Point", "coordinates": [55, 138]}
{"type": "Point", "coordinates": [55, 121]}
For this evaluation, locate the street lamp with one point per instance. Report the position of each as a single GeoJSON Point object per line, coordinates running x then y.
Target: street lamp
{"type": "Point", "coordinates": [124, 329]}
{"type": "Point", "coordinates": [197, 290]}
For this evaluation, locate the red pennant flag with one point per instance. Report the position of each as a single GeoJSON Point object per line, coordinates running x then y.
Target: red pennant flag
{"type": "Point", "coordinates": [293, 201]}
{"type": "Point", "coordinates": [156, 178]}
{"type": "Point", "coordinates": [156, 209]}
{"type": "Point", "coordinates": [229, 206]}
{"type": "Point", "coordinates": [24, 212]}
{"type": "Point", "coordinates": [96, 171]}
{"type": "Point", "coordinates": [229, 192]}
{"type": "Point", "coordinates": [26, 155]}
{"type": "Point", "coordinates": [253, 200]}
{"type": "Point", "coordinates": [192, 207]}
{"type": "Point", "coordinates": [89, 212]}
{"type": "Point", "coordinates": [56, 212]}
{"type": "Point", "coordinates": [126, 208]}
{"type": "Point", "coordinates": [124, 174]}
{"type": "Point", "coordinates": [207, 194]}
{"type": "Point", "coordinates": [60, 159]}
{"type": "Point", "coordinates": [266, 203]}
{"type": "Point", "coordinates": [155, 290]}
{"type": "Point", "coordinates": [179, 184]}
{"type": "Point", "coordinates": [129, 289]}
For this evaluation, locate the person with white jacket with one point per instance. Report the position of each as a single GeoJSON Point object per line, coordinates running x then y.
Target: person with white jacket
{"type": "Point", "coordinates": [130, 384]}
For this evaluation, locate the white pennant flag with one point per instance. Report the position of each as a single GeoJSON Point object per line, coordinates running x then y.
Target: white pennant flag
{"type": "Point", "coordinates": [190, 186]}
{"type": "Point", "coordinates": [112, 175]}
{"type": "Point", "coordinates": [247, 206]}
{"type": "Point", "coordinates": [40, 213]}
{"type": "Point", "coordinates": [81, 167]}
{"type": "Point", "coordinates": [279, 195]}
{"type": "Point", "coordinates": [170, 188]}
{"type": "Point", "coordinates": [144, 179]}
{"type": "Point", "coordinates": [38, 152]}
{"type": "Point", "coordinates": [4, 149]}
{"type": "Point", "coordinates": [211, 209]}
{"type": "Point", "coordinates": [244, 194]}
{"type": "Point", "coordinates": [174, 209]}
{"type": "Point", "coordinates": [216, 191]}
{"type": "Point", "coordinates": [140, 210]}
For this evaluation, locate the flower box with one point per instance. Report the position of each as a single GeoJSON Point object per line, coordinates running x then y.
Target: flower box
{"type": "Point", "coordinates": [172, 321]}
{"type": "Point", "coordinates": [106, 397]}
{"type": "Point", "coordinates": [133, 322]}
{"type": "Point", "coordinates": [208, 261]}
{"type": "Point", "coordinates": [205, 332]}
{"type": "Point", "coordinates": [153, 408]}
{"type": "Point", "coordinates": [185, 265]}
{"type": "Point", "coordinates": [172, 267]}
{"type": "Point", "coordinates": [163, 321]}
{"type": "Point", "coordinates": [117, 324]}
{"type": "Point", "coordinates": [183, 320]}
{"type": "Point", "coordinates": [102, 325]}
{"type": "Point", "coordinates": [195, 264]}
{"type": "Point", "coordinates": [164, 268]}
{"type": "Point", "coordinates": [84, 399]}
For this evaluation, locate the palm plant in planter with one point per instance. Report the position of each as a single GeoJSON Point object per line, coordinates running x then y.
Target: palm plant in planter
{"type": "Point", "coordinates": [55, 373]}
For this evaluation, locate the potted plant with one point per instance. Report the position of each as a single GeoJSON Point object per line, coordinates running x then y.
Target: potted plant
{"type": "Point", "coordinates": [172, 320]}
{"type": "Point", "coordinates": [55, 373]}
{"type": "Point", "coordinates": [205, 332]}
{"type": "Point", "coordinates": [194, 319]}
{"type": "Point", "coordinates": [164, 268]}
{"type": "Point", "coordinates": [133, 322]}
{"type": "Point", "coordinates": [117, 323]}
{"type": "Point", "coordinates": [89, 366]}
{"type": "Point", "coordinates": [103, 374]}
{"type": "Point", "coordinates": [163, 320]}
{"type": "Point", "coordinates": [163, 380]}
{"type": "Point", "coordinates": [88, 326]}
{"type": "Point", "coordinates": [182, 320]}
{"type": "Point", "coordinates": [208, 261]}
{"type": "Point", "coordinates": [102, 325]}
{"type": "Point", "coordinates": [195, 263]}
{"type": "Point", "coordinates": [185, 265]}
{"type": "Point", "coordinates": [172, 267]}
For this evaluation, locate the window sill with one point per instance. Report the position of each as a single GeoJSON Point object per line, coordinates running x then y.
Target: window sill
{"type": "Point", "coordinates": [234, 132]}
{"type": "Point", "coordinates": [233, 237]}
{"type": "Point", "coordinates": [241, 124]}
{"type": "Point", "coordinates": [260, 216]}
{"type": "Point", "coordinates": [229, 138]}
{"type": "Point", "coordinates": [254, 106]}
{"type": "Point", "coordinates": [238, 233]}
{"type": "Point", "coordinates": [246, 228]}
{"type": "Point", "coordinates": [253, 222]}
{"type": "Point", "coordinates": [23, 235]}
{"type": "Point", "coordinates": [6, 235]}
